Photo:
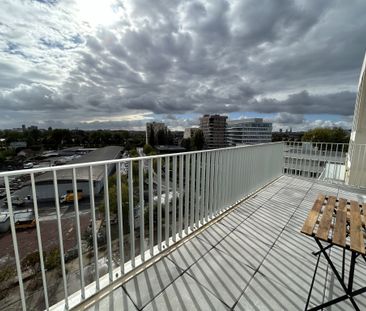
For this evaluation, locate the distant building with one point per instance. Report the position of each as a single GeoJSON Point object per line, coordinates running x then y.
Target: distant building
{"type": "Point", "coordinates": [18, 145]}
{"type": "Point", "coordinates": [152, 132]}
{"type": "Point", "coordinates": [177, 137]}
{"type": "Point", "coordinates": [44, 182]}
{"type": "Point", "coordinates": [214, 130]}
{"type": "Point", "coordinates": [189, 132]}
{"type": "Point", "coordinates": [249, 131]}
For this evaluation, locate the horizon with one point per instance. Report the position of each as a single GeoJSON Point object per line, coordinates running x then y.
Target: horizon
{"type": "Point", "coordinates": [116, 65]}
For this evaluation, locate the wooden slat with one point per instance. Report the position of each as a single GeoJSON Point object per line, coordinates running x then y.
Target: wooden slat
{"type": "Point", "coordinates": [326, 220]}
{"type": "Point", "coordinates": [312, 218]}
{"type": "Point", "coordinates": [356, 236]}
{"type": "Point", "coordinates": [363, 216]}
{"type": "Point", "coordinates": [339, 236]}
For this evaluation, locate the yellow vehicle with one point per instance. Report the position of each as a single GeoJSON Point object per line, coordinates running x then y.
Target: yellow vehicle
{"type": "Point", "coordinates": [68, 197]}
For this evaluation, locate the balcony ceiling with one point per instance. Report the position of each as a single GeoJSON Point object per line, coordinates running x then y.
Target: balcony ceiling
{"type": "Point", "coordinates": [255, 258]}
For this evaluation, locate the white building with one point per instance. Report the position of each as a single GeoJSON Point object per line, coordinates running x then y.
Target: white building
{"type": "Point", "coordinates": [189, 132]}
{"type": "Point", "coordinates": [249, 131]}
{"type": "Point", "coordinates": [355, 164]}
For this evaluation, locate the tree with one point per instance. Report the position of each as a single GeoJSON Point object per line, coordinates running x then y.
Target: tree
{"type": "Point", "coordinates": [198, 140]}
{"type": "Point", "coordinates": [113, 204]}
{"type": "Point", "coordinates": [186, 143]}
{"type": "Point", "coordinates": [148, 150]}
{"type": "Point", "coordinates": [32, 262]}
{"type": "Point", "coordinates": [329, 135]}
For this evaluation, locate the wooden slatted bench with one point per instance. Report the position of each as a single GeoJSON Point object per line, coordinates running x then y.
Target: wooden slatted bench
{"type": "Point", "coordinates": [341, 223]}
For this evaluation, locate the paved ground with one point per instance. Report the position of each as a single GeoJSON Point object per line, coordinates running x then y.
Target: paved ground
{"type": "Point", "coordinates": [254, 259]}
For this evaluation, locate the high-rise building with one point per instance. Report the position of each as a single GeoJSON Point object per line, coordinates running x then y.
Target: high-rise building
{"type": "Point", "coordinates": [249, 131]}
{"type": "Point", "coordinates": [153, 132]}
{"type": "Point", "coordinates": [214, 130]}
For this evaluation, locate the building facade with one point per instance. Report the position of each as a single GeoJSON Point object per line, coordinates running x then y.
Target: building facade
{"type": "Point", "coordinates": [214, 130]}
{"type": "Point", "coordinates": [249, 132]}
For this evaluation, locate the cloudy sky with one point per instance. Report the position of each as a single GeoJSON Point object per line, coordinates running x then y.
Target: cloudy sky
{"type": "Point", "coordinates": [119, 63]}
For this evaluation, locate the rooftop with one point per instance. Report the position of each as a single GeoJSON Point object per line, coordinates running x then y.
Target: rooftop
{"type": "Point", "coordinates": [253, 257]}
{"type": "Point", "coordinates": [101, 154]}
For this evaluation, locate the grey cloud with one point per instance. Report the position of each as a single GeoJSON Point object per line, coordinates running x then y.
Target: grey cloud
{"type": "Point", "coordinates": [341, 103]}
{"type": "Point", "coordinates": [288, 118]}
{"type": "Point", "coordinates": [35, 98]}
{"type": "Point", "coordinates": [179, 57]}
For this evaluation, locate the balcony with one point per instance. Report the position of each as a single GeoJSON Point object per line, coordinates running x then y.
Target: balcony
{"type": "Point", "coordinates": [223, 232]}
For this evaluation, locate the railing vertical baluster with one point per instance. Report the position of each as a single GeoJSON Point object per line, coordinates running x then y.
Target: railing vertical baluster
{"type": "Point", "coordinates": [15, 243]}
{"type": "Point", "coordinates": [239, 175]}
{"type": "Point", "coordinates": [234, 181]}
{"type": "Point", "coordinates": [212, 176]}
{"type": "Point", "coordinates": [198, 187]}
{"type": "Point", "coordinates": [220, 192]}
{"type": "Point", "coordinates": [186, 194]}
{"type": "Point", "coordinates": [131, 212]}
{"type": "Point", "coordinates": [359, 166]}
{"type": "Point", "coordinates": [78, 234]}
{"type": "Point", "coordinates": [167, 205]}
{"type": "Point", "coordinates": [159, 204]}
{"type": "Point", "coordinates": [226, 183]}
{"type": "Point", "coordinates": [181, 196]}
{"type": "Point", "coordinates": [193, 175]}
{"type": "Point", "coordinates": [39, 241]}
{"type": "Point", "coordinates": [203, 188]}
{"type": "Point", "coordinates": [362, 168]}
{"type": "Point", "coordinates": [216, 182]}
{"type": "Point", "coordinates": [151, 207]}
{"type": "Point", "coordinates": [174, 205]}
{"type": "Point", "coordinates": [120, 219]}
{"type": "Point", "coordinates": [319, 160]}
{"type": "Point", "coordinates": [108, 223]}
{"type": "Point", "coordinates": [225, 169]}
{"type": "Point", "coordinates": [61, 241]}
{"type": "Point", "coordinates": [142, 210]}
{"type": "Point", "coordinates": [207, 185]}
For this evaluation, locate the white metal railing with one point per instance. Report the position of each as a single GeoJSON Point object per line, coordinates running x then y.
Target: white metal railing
{"type": "Point", "coordinates": [315, 159]}
{"type": "Point", "coordinates": [198, 186]}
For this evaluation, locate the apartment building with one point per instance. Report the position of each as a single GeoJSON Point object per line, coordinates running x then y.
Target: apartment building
{"type": "Point", "coordinates": [214, 130]}
{"type": "Point", "coordinates": [249, 132]}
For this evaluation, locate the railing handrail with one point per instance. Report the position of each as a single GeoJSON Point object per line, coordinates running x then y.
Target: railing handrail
{"type": "Point", "coordinates": [313, 142]}
{"type": "Point", "coordinates": [114, 161]}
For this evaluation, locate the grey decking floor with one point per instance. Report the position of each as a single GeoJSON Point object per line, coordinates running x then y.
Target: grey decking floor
{"type": "Point", "coordinates": [254, 259]}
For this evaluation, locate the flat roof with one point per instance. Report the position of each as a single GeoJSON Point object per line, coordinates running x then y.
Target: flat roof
{"type": "Point", "coordinates": [101, 154]}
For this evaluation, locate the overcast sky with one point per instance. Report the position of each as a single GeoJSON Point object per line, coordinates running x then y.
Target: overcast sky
{"type": "Point", "coordinates": [119, 63]}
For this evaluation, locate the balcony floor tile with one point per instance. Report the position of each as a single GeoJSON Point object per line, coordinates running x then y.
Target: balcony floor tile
{"type": "Point", "coordinates": [223, 275]}
{"type": "Point", "coordinates": [189, 253]}
{"type": "Point", "coordinates": [150, 282]}
{"type": "Point", "coordinates": [118, 300]}
{"type": "Point", "coordinates": [186, 294]}
{"type": "Point", "coordinates": [255, 258]}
